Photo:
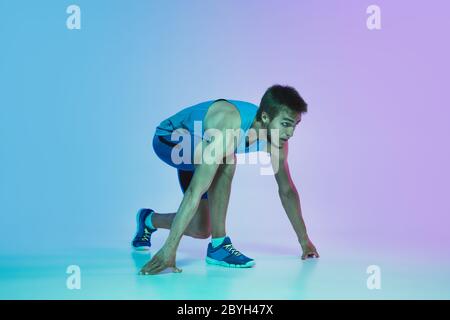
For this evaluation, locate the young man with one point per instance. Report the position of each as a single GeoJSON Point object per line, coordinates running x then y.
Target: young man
{"type": "Point", "coordinates": [205, 177]}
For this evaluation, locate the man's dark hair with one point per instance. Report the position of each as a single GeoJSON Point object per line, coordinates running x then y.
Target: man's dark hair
{"type": "Point", "coordinates": [277, 97]}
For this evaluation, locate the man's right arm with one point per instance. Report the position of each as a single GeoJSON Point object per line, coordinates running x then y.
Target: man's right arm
{"type": "Point", "coordinates": [203, 177]}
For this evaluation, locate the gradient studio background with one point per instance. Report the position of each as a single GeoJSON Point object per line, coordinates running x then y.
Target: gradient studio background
{"type": "Point", "coordinates": [79, 108]}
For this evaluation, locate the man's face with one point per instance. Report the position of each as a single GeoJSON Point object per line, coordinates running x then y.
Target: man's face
{"type": "Point", "coordinates": [286, 122]}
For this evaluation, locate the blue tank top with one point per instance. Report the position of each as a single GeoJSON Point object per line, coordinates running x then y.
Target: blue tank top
{"type": "Point", "coordinates": [186, 117]}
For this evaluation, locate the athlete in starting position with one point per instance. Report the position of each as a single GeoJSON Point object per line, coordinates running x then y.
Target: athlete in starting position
{"type": "Point", "coordinates": [207, 184]}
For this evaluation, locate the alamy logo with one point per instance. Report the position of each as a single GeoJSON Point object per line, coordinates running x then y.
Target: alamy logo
{"type": "Point", "coordinates": [215, 153]}
{"type": "Point", "coordinates": [374, 280]}
{"type": "Point", "coordinates": [374, 20]}
{"type": "Point", "coordinates": [74, 280]}
{"type": "Point", "coordinates": [74, 20]}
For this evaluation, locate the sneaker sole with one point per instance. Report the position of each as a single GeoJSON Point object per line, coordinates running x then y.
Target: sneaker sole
{"type": "Point", "coordinates": [229, 265]}
{"type": "Point", "coordinates": [143, 248]}
{"type": "Point", "coordinates": [146, 248]}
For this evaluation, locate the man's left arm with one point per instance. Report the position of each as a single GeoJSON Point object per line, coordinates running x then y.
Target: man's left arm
{"type": "Point", "coordinates": [290, 200]}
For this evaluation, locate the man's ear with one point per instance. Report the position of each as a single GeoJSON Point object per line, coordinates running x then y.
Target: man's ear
{"type": "Point", "coordinates": [265, 118]}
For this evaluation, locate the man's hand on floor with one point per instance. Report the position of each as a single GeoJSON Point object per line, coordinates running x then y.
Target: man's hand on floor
{"type": "Point", "coordinates": [309, 250]}
{"type": "Point", "coordinates": [163, 259]}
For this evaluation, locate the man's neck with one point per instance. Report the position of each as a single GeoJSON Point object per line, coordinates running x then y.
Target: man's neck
{"type": "Point", "coordinates": [254, 134]}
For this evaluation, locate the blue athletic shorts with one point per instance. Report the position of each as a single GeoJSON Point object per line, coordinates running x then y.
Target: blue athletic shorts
{"type": "Point", "coordinates": [163, 145]}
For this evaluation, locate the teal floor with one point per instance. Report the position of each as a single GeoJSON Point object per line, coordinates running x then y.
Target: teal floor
{"type": "Point", "coordinates": [112, 274]}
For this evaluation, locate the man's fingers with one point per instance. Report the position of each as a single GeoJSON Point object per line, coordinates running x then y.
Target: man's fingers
{"type": "Point", "coordinates": [149, 266]}
{"type": "Point", "coordinates": [176, 270]}
{"type": "Point", "coordinates": [158, 269]}
{"type": "Point", "coordinates": [314, 253]}
{"type": "Point", "coordinates": [311, 254]}
{"type": "Point", "coordinates": [144, 271]}
{"type": "Point", "coordinates": [154, 262]}
{"type": "Point", "coordinates": [154, 267]}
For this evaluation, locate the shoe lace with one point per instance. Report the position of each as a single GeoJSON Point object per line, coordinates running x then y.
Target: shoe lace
{"type": "Point", "coordinates": [146, 235]}
{"type": "Point", "coordinates": [230, 248]}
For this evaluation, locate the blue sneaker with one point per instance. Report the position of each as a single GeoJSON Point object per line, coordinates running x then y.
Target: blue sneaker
{"type": "Point", "coordinates": [143, 235]}
{"type": "Point", "coordinates": [227, 256]}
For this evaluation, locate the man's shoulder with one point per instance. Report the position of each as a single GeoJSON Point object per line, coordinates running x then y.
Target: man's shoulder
{"type": "Point", "coordinates": [224, 107]}
{"type": "Point", "coordinates": [223, 113]}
